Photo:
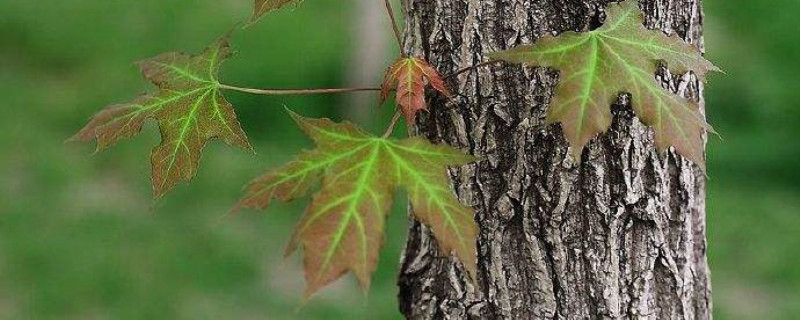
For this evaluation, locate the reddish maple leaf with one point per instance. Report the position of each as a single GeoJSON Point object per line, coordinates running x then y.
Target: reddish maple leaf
{"type": "Point", "coordinates": [410, 76]}
{"type": "Point", "coordinates": [188, 107]}
{"type": "Point", "coordinates": [354, 175]}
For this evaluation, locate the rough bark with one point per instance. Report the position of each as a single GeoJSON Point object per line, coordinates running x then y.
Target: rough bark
{"type": "Point", "coordinates": [621, 235]}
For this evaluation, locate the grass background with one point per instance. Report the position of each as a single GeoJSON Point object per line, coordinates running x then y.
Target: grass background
{"type": "Point", "coordinates": [78, 239]}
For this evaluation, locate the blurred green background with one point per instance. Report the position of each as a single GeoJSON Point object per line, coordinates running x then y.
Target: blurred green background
{"type": "Point", "coordinates": [78, 239]}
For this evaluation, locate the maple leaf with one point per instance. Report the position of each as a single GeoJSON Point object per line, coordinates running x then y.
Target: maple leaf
{"type": "Point", "coordinates": [622, 55]}
{"type": "Point", "coordinates": [410, 76]}
{"type": "Point", "coordinates": [262, 7]}
{"type": "Point", "coordinates": [342, 228]}
{"type": "Point", "coordinates": [189, 110]}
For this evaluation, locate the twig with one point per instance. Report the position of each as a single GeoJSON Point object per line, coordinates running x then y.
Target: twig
{"type": "Point", "coordinates": [396, 30]}
{"type": "Point", "coordinates": [482, 64]}
{"type": "Point", "coordinates": [284, 92]}
{"type": "Point", "coordinates": [392, 124]}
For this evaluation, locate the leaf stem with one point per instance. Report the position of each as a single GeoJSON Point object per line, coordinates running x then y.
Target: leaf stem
{"type": "Point", "coordinates": [285, 92]}
{"type": "Point", "coordinates": [396, 30]}
{"type": "Point", "coordinates": [482, 64]}
{"type": "Point", "coordinates": [392, 124]}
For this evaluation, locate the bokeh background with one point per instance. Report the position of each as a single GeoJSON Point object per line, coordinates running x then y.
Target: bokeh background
{"type": "Point", "coordinates": [78, 238]}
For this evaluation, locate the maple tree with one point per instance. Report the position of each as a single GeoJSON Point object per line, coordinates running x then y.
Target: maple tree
{"type": "Point", "coordinates": [356, 172]}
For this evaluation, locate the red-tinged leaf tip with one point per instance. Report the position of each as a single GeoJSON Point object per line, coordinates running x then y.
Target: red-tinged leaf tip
{"type": "Point", "coordinates": [410, 76]}
{"type": "Point", "coordinates": [619, 57]}
{"type": "Point", "coordinates": [434, 78]}
{"type": "Point", "coordinates": [188, 107]}
{"type": "Point", "coordinates": [262, 7]}
{"type": "Point", "coordinates": [342, 229]}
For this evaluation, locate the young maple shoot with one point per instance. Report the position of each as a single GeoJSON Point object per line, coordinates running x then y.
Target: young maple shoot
{"type": "Point", "coordinates": [357, 172]}
{"type": "Point", "coordinates": [621, 56]}
{"type": "Point", "coordinates": [410, 76]}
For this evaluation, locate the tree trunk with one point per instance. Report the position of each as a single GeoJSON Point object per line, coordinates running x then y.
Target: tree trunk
{"type": "Point", "coordinates": [620, 235]}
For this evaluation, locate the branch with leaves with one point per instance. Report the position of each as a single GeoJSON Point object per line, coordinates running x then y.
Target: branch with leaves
{"type": "Point", "coordinates": [355, 173]}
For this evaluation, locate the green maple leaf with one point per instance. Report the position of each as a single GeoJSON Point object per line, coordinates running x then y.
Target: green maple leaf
{"type": "Point", "coordinates": [621, 56]}
{"type": "Point", "coordinates": [189, 109]}
{"type": "Point", "coordinates": [342, 228]}
{"type": "Point", "coordinates": [262, 7]}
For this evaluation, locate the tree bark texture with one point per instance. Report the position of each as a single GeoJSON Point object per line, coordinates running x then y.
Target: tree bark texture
{"type": "Point", "coordinates": [620, 235]}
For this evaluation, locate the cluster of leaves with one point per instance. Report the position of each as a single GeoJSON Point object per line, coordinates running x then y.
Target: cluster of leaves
{"type": "Point", "coordinates": [357, 172]}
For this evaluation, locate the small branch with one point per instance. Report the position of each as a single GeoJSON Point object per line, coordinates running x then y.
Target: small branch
{"type": "Point", "coordinates": [285, 92]}
{"type": "Point", "coordinates": [396, 30]}
{"type": "Point", "coordinates": [482, 64]}
{"type": "Point", "coordinates": [392, 124]}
